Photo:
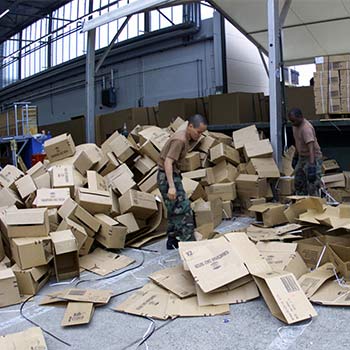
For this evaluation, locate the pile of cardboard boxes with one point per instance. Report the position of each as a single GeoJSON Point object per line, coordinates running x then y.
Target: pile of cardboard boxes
{"type": "Point", "coordinates": [332, 84]}
{"type": "Point", "coordinates": [62, 215]}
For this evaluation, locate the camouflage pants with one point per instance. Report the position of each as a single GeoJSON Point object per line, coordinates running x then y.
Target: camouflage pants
{"type": "Point", "coordinates": [180, 216]}
{"type": "Point", "coordinates": [302, 186]}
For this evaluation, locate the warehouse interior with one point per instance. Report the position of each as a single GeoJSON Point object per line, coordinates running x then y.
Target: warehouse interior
{"type": "Point", "coordinates": [92, 95]}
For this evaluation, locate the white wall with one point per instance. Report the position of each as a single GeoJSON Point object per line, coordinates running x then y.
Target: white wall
{"type": "Point", "coordinates": [245, 71]}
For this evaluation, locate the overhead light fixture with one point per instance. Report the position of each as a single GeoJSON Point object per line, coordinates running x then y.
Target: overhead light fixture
{"type": "Point", "coordinates": [5, 13]}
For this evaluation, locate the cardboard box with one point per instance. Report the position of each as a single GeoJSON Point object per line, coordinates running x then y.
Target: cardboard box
{"type": "Point", "coordinates": [25, 186]}
{"type": "Point", "coordinates": [86, 247]}
{"type": "Point", "coordinates": [227, 210]}
{"type": "Point", "coordinates": [77, 313]}
{"type": "Point", "coordinates": [43, 181]}
{"type": "Point", "coordinates": [96, 182]}
{"type": "Point", "coordinates": [142, 205]}
{"type": "Point", "coordinates": [72, 210]}
{"type": "Point", "coordinates": [94, 201]}
{"type": "Point", "coordinates": [259, 149]}
{"type": "Point", "coordinates": [84, 162]}
{"type": "Point", "coordinates": [30, 281]}
{"type": "Point", "coordinates": [251, 186]}
{"type": "Point", "coordinates": [270, 214]}
{"type": "Point", "coordinates": [9, 291]}
{"type": "Point", "coordinates": [208, 212]}
{"type": "Point", "coordinates": [50, 197]}
{"type": "Point", "coordinates": [37, 170]}
{"type": "Point", "coordinates": [315, 251]}
{"type": "Point", "coordinates": [156, 135]}
{"type": "Point", "coordinates": [191, 162]}
{"type": "Point", "coordinates": [242, 136]}
{"type": "Point", "coordinates": [111, 235]}
{"type": "Point", "coordinates": [285, 186]}
{"type": "Point", "coordinates": [284, 297]}
{"type": "Point", "coordinates": [340, 257]}
{"type": "Point", "coordinates": [330, 165]}
{"type": "Point", "coordinates": [224, 172]}
{"type": "Point", "coordinates": [148, 149]}
{"type": "Point", "coordinates": [225, 191]}
{"type": "Point", "coordinates": [129, 221]}
{"type": "Point", "coordinates": [31, 252]}
{"type": "Point", "coordinates": [8, 175]}
{"type": "Point", "coordinates": [149, 183]}
{"type": "Point", "coordinates": [224, 152]}
{"type": "Point", "coordinates": [63, 177]}
{"type": "Point", "coordinates": [231, 108]}
{"type": "Point", "coordinates": [264, 167]}
{"type": "Point", "coordinates": [334, 180]}
{"type": "Point", "coordinates": [144, 164]}
{"type": "Point", "coordinates": [66, 257]}
{"type": "Point", "coordinates": [169, 110]}
{"type": "Point", "coordinates": [27, 223]}
{"type": "Point", "coordinates": [9, 198]}
{"type": "Point", "coordinates": [221, 137]}
{"type": "Point", "coordinates": [78, 231]}
{"type": "Point", "coordinates": [193, 189]}
{"type": "Point", "coordinates": [59, 147]}
{"type": "Point", "coordinates": [122, 148]}
{"type": "Point", "coordinates": [31, 338]}
{"type": "Point", "coordinates": [207, 143]}
{"type": "Point", "coordinates": [121, 179]}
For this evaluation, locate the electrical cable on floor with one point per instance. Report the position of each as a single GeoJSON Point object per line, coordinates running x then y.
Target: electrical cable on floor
{"type": "Point", "coordinates": [149, 332]}
{"type": "Point", "coordinates": [37, 325]}
{"type": "Point", "coordinates": [114, 275]}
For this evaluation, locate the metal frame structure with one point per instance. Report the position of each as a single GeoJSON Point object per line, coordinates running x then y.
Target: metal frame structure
{"type": "Point", "coordinates": [191, 13]}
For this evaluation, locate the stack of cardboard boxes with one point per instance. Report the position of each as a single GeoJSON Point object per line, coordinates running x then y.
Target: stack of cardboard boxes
{"type": "Point", "coordinates": [331, 84]}
{"type": "Point", "coordinates": [59, 217]}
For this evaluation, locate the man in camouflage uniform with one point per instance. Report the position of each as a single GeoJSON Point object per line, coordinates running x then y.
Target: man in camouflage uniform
{"type": "Point", "coordinates": [180, 216]}
{"type": "Point", "coordinates": [307, 161]}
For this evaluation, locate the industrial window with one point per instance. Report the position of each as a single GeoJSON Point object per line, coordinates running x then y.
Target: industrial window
{"type": "Point", "coordinates": [34, 48]}
{"type": "Point", "coordinates": [57, 38]}
{"type": "Point", "coordinates": [67, 41]}
{"type": "Point", "coordinates": [10, 60]}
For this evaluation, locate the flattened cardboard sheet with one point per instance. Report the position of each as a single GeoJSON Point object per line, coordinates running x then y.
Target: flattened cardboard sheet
{"type": "Point", "coordinates": [103, 263]}
{"type": "Point", "coordinates": [242, 294]}
{"type": "Point", "coordinates": [77, 314]}
{"type": "Point", "coordinates": [156, 302]}
{"type": "Point", "coordinates": [31, 338]}
{"type": "Point", "coordinates": [176, 280]}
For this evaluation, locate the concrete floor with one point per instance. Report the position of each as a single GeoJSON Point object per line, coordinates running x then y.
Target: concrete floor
{"type": "Point", "coordinates": [249, 326]}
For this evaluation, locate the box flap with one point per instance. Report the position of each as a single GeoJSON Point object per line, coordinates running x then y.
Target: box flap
{"type": "Point", "coordinates": [332, 293]}
{"type": "Point", "coordinates": [312, 281]}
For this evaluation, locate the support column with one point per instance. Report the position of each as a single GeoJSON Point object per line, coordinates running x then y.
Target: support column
{"type": "Point", "coordinates": [274, 79]}
{"type": "Point", "coordinates": [90, 88]}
